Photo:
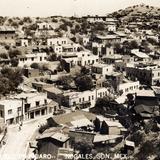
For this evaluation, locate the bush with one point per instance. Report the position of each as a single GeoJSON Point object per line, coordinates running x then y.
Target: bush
{"type": "Point", "coordinates": [54, 20]}
{"type": "Point", "coordinates": [4, 56]}
{"type": "Point", "coordinates": [14, 53]}
{"type": "Point", "coordinates": [84, 83]}
{"type": "Point", "coordinates": [14, 62]}
{"type": "Point", "coordinates": [63, 27]}
{"type": "Point", "coordinates": [34, 65]}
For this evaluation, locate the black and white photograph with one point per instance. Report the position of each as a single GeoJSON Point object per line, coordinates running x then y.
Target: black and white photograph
{"type": "Point", "coordinates": [79, 80]}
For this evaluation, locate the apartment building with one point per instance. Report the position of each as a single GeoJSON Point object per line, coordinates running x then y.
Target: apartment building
{"type": "Point", "coordinates": [25, 106]}
{"type": "Point", "coordinates": [73, 98]}
{"type": "Point", "coordinates": [148, 74]}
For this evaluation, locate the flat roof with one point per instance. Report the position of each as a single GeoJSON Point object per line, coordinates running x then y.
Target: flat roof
{"type": "Point", "coordinates": [103, 138]}
{"type": "Point", "coordinates": [146, 93]}
{"type": "Point", "coordinates": [108, 37]}
{"type": "Point", "coordinates": [54, 90]}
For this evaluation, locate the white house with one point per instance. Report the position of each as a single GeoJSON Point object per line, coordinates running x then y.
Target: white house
{"type": "Point", "coordinates": [58, 41]}
{"type": "Point", "coordinates": [28, 59]}
{"type": "Point", "coordinates": [129, 87]}
{"type": "Point", "coordinates": [45, 26]}
{"type": "Point", "coordinates": [71, 98]}
{"type": "Point", "coordinates": [102, 69]}
{"type": "Point", "coordinates": [80, 58]}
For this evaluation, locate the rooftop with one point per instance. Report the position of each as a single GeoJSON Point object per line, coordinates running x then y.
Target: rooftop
{"type": "Point", "coordinates": [69, 118]}
{"type": "Point", "coordinates": [145, 93]}
{"type": "Point", "coordinates": [103, 138]}
{"type": "Point", "coordinates": [108, 37]}
{"type": "Point", "coordinates": [54, 90]}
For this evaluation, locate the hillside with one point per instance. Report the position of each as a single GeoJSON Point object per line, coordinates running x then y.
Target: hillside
{"type": "Point", "coordinates": [138, 12]}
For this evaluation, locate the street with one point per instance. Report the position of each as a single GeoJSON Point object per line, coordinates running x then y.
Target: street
{"type": "Point", "coordinates": [18, 141]}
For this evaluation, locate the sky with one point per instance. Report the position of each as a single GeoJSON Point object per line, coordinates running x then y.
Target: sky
{"type": "Point", "coordinates": [43, 8]}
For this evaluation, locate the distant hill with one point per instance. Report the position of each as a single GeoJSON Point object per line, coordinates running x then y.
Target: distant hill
{"type": "Point", "coordinates": [140, 12]}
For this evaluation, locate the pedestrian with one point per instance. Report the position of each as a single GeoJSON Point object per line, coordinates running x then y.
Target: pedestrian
{"type": "Point", "coordinates": [19, 127]}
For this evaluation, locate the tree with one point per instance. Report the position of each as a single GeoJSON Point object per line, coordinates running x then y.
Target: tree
{"type": "Point", "coordinates": [104, 129]}
{"type": "Point", "coordinates": [63, 27]}
{"type": "Point", "coordinates": [138, 137]}
{"type": "Point", "coordinates": [52, 57]}
{"type": "Point", "coordinates": [14, 62]}
{"type": "Point", "coordinates": [10, 79]}
{"type": "Point", "coordinates": [4, 85]}
{"type": "Point", "coordinates": [147, 149]}
{"type": "Point", "coordinates": [134, 45]}
{"type": "Point", "coordinates": [4, 56]}
{"type": "Point", "coordinates": [117, 48]}
{"type": "Point", "coordinates": [97, 125]}
{"type": "Point", "coordinates": [84, 83]}
{"type": "Point", "coordinates": [84, 148]}
{"type": "Point", "coordinates": [13, 53]}
{"type": "Point", "coordinates": [66, 81]}
{"type": "Point", "coordinates": [34, 65]}
{"type": "Point", "coordinates": [84, 70]}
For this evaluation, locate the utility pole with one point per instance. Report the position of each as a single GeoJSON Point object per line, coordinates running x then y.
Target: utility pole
{"type": "Point", "coordinates": [22, 116]}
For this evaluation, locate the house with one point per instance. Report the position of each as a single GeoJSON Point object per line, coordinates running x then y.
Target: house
{"type": "Point", "coordinates": [111, 27]}
{"type": "Point", "coordinates": [28, 59]}
{"type": "Point", "coordinates": [7, 35]}
{"type": "Point", "coordinates": [129, 147]}
{"type": "Point", "coordinates": [25, 106]}
{"type": "Point", "coordinates": [103, 140]}
{"type": "Point", "coordinates": [58, 41]}
{"type": "Point", "coordinates": [102, 69]}
{"type": "Point", "coordinates": [112, 58]}
{"type": "Point", "coordinates": [102, 50]}
{"type": "Point", "coordinates": [79, 58]}
{"type": "Point", "coordinates": [84, 40]}
{"type": "Point", "coordinates": [146, 104]}
{"type": "Point", "coordinates": [55, 143]}
{"type": "Point", "coordinates": [111, 128]}
{"type": "Point", "coordinates": [128, 86]}
{"type": "Point", "coordinates": [148, 74]}
{"type": "Point", "coordinates": [24, 42]}
{"type": "Point", "coordinates": [40, 86]}
{"type": "Point", "coordinates": [140, 56]}
{"type": "Point", "coordinates": [108, 39]}
{"type": "Point", "coordinates": [45, 26]}
{"type": "Point", "coordinates": [97, 18]}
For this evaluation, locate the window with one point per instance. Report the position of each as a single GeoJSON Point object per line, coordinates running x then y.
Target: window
{"type": "Point", "coordinates": [26, 107]}
{"type": "Point", "coordinates": [83, 99]}
{"type": "Point", "coordinates": [40, 58]}
{"type": "Point", "coordinates": [80, 100]}
{"type": "Point", "coordinates": [92, 97]}
{"type": "Point", "coordinates": [45, 101]}
{"type": "Point", "coordinates": [89, 98]}
{"type": "Point", "coordinates": [19, 109]}
{"type": "Point", "coordinates": [32, 59]}
{"type": "Point", "coordinates": [37, 103]}
{"type": "Point", "coordinates": [1, 114]}
{"type": "Point", "coordinates": [10, 111]}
